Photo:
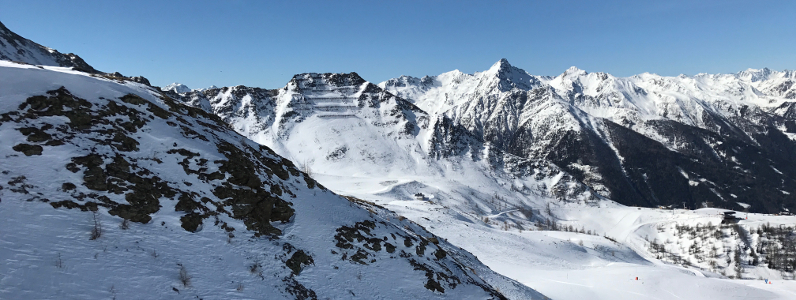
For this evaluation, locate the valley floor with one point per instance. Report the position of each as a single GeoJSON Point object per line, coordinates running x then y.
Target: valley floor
{"type": "Point", "coordinates": [571, 265]}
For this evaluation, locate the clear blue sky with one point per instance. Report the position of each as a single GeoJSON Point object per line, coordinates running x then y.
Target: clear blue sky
{"type": "Point", "coordinates": [263, 43]}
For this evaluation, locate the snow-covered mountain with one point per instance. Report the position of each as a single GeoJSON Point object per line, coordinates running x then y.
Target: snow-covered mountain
{"type": "Point", "coordinates": [725, 139]}
{"type": "Point", "coordinates": [110, 189]}
{"type": "Point", "coordinates": [339, 126]}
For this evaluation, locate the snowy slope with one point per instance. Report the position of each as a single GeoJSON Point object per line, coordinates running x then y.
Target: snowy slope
{"type": "Point", "coordinates": [237, 220]}
{"type": "Point", "coordinates": [729, 131]}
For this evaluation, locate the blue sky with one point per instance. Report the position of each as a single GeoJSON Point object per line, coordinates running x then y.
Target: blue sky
{"type": "Point", "coordinates": [264, 43]}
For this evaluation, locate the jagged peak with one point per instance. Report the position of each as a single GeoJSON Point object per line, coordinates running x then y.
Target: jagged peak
{"type": "Point", "coordinates": [405, 77]}
{"type": "Point", "coordinates": [501, 65]}
{"type": "Point", "coordinates": [502, 68]}
{"type": "Point", "coordinates": [509, 76]}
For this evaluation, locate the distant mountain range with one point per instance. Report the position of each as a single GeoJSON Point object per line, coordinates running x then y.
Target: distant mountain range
{"type": "Point", "coordinates": [646, 140]}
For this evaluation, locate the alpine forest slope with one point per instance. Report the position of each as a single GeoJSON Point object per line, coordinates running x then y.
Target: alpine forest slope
{"type": "Point", "coordinates": [647, 140]}
{"type": "Point", "coordinates": [111, 189]}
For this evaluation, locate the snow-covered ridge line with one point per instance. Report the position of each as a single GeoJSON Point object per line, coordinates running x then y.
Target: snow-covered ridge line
{"type": "Point", "coordinates": [18, 49]}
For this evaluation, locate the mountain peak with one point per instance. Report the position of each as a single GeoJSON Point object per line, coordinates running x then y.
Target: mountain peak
{"type": "Point", "coordinates": [510, 77]}
{"type": "Point", "coordinates": [177, 88]}
{"type": "Point", "coordinates": [755, 74]}
{"type": "Point", "coordinates": [573, 70]}
{"type": "Point", "coordinates": [501, 66]}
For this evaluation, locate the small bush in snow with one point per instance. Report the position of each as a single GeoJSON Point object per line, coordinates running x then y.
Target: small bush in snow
{"type": "Point", "coordinates": [185, 279]}
{"type": "Point", "coordinates": [96, 232]}
{"type": "Point", "coordinates": [59, 263]}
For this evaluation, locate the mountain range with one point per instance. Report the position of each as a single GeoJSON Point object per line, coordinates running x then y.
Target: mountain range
{"type": "Point", "coordinates": [336, 187]}
{"type": "Point", "coordinates": [722, 140]}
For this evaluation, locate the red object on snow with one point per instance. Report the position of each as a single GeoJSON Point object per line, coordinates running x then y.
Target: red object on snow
{"type": "Point", "coordinates": [636, 278]}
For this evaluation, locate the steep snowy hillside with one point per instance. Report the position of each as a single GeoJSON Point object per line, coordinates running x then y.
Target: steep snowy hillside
{"type": "Point", "coordinates": [108, 189]}
{"type": "Point", "coordinates": [16, 48]}
{"type": "Point", "coordinates": [727, 139]}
